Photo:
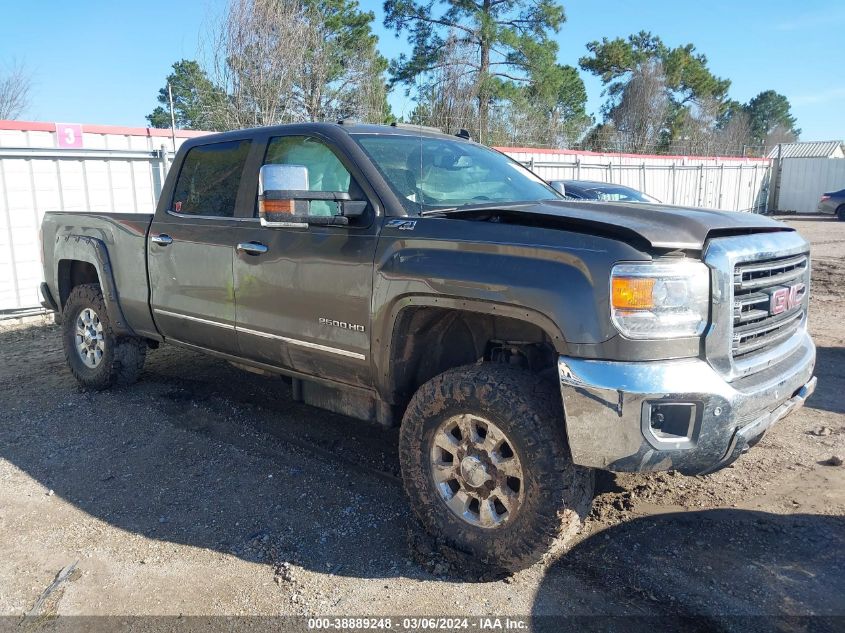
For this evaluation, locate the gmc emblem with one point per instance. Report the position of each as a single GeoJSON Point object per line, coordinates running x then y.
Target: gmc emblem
{"type": "Point", "coordinates": [784, 299]}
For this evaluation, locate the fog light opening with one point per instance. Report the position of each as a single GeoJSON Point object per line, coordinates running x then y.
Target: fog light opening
{"type": "Point", "coordinates": [672, 424]}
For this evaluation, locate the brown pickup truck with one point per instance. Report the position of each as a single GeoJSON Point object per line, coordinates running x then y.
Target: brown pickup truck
{"type": "Point", "coordinates": [403, 276]}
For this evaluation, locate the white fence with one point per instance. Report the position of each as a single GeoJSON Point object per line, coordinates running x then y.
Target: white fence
{"type": "Point", "coordinates": [730, 184]}
{"type": "Point", "coordinates": [100, 168]}
{"type": "Point", "coordinates": [804, 180]}
{"type": "Point", "coordinates": [48, 166]}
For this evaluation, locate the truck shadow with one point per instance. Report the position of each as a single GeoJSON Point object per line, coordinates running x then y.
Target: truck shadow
{"type": "Point", "coordinates": [830, 368]}
{"type": "Point", "coordinates": [201, 454]}
{"type": "Point", "coordinates": [713, 570]}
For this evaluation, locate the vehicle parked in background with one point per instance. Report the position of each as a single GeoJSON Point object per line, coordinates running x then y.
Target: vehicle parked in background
{"type": "Point", "coordinates": [410, 277]}
{"type": "Point", "coordinates": [604, 191]}
{"type": "Point", "coordinates": [833, 203]}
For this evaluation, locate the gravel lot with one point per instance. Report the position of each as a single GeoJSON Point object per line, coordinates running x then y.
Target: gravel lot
{"type": "Point", "coordinates": [205, 490]}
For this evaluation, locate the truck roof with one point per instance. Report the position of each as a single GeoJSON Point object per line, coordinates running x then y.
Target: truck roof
{"type": "Point", "coordinates": [347, 127]}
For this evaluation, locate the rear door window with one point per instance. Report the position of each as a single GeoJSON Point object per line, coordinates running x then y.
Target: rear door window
{"type": "Point", "coordinates": [209, 179]}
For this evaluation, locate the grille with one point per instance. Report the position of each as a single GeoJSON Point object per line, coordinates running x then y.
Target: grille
{"type": "Point", "coordinates": [755, 327]}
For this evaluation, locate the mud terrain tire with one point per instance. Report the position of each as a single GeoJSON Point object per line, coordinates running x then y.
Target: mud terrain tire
{"type": "Point", "coordinates": [527, 409]}
{"type": "Point", "coordinates": [122, 358]}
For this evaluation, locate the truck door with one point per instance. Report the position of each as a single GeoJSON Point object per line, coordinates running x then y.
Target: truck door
{"type": "Point", "coordinates": [303, 294]}
{"type": "Point", "coordinates": [191, 248]}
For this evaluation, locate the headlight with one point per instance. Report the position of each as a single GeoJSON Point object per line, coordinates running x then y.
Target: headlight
{"type": "Point", "coordinates": [654, 300]}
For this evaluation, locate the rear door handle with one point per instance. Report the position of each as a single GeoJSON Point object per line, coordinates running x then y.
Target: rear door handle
{"type": "Point", "coordinates": [162, 240]}
{"type": "Point", "coordinates": [252, 248]}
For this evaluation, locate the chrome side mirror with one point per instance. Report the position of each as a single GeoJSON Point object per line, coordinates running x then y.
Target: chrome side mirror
{"type": "Point", "coordinates": [284, 199]}
{"type": "Point", "coordinates": [280, 191]}
{"type": "Point", "coordinates": [282, 178]}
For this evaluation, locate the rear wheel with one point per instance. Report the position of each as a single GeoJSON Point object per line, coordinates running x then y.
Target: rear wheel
{"type": "Point", "coordinates": [486, 465]}
{"type": "Point", "coordinates": [96, 356]}
{"type": "Point", "coordinates": [840, 212]}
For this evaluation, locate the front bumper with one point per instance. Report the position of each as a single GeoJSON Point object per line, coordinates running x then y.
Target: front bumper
{"type": "Point", "coordinates": [609, 408]}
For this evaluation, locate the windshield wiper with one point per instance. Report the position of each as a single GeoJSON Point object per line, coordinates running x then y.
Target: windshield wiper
{"type": "Point", "coordinates": [429, 212]}
{"type": "Point", "coordinates": [491, 205]}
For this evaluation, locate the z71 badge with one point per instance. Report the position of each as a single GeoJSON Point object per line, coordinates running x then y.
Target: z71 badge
{"type": "Point", "coordinates": [402, 225]}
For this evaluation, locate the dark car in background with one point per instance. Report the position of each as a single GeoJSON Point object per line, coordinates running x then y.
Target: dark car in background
{"type": "Point", "coordinates": [833, 203]}
{"type": "Point", "coordinates": [604, 191]}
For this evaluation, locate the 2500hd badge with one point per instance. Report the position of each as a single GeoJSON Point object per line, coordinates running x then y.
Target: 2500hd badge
{"type": "Point", "coordinates": [343, 325]}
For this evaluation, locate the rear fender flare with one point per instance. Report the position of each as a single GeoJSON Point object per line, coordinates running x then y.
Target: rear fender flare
{"type": "Point", "coordinates": [92, 250]}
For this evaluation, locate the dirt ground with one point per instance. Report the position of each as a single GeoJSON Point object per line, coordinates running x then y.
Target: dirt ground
{"type": "Point", "coordinates": [205, 490]}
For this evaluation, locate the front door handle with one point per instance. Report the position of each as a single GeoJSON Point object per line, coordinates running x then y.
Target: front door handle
{"type": "Point", "coordinates": [252, 248]}
{"type": "Point", "coordinates": [162, 240]}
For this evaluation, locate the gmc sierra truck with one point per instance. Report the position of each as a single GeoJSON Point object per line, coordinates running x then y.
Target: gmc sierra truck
{"type": "Point", "coordinates": [410, 277]}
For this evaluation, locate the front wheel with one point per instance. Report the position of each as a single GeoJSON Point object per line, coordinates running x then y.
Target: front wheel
{"type": "Point", "coordinates": [486, 465]}
{"type": "Point", "coordinates": [96, 356]}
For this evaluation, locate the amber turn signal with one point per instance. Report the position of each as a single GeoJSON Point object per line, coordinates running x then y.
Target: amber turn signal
{"type": "Point", "coordinates": [277, 206]}
{"type": "Point", "coordinates": [632, 293]}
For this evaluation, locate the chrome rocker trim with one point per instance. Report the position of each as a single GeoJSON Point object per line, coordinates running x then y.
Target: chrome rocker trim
{"type": "Point", "coordinates": [292, 341]}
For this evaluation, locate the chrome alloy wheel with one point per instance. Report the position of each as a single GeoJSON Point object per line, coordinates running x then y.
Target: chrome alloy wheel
{"type": "Point", "coordinates": [476, 470]}
{"type": "Point", "coordinates": [90, 343]}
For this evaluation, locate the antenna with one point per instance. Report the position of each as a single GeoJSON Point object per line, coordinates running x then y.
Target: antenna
{"type": "Point", "coordinates": [172, 117]}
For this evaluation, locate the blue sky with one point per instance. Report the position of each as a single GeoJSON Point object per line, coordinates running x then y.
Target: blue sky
{"type": "Point", "coordinates": [103, 62]}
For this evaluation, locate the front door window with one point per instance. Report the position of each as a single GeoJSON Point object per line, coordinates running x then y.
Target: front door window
{"type": "Point", "coordinates": [325, 171]}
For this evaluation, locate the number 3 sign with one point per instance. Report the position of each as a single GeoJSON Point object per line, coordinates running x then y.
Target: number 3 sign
{"type": "Point", "coordinates": [69, 135]}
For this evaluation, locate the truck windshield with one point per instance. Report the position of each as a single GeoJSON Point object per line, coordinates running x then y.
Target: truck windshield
{"type": "Point", "coordinates": [429, 173]}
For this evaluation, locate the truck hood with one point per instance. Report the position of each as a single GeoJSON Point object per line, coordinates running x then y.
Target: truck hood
{"type": "Point", "coordinates": [662, 226]}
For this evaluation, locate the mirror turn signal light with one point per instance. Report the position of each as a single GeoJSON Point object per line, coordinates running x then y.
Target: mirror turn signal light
{"type": "Point", "coordinates": [632, 293]}
{"type": "Point", "coordinates": [276, 206]}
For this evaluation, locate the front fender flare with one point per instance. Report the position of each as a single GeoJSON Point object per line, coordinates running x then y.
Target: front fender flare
{"type": "Point", "coordinates": [384, 336]}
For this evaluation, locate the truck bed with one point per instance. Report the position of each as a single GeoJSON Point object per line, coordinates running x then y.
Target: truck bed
{"type": "Point", "coordinates": [74, 235]}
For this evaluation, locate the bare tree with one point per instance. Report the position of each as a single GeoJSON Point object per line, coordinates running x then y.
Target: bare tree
{"type": "Point", "coordinates": [735, 137]}
{"type": "Point", "coordinates": [363, 92]}
{"type": "Point", "coordinates": [312, 92]}
{"type": "Point", "coordinates": [694, 127]}
{"type": "Point", "coordinates": [711, 127]}
{"type": "Point", "coordinates": [15, 88]}
{"type": "Point", "coordinates": [283, 61]}
{"type": "Point", "coordinates": [528, 122]}
{"type": "Point", "coordinates": [449, 99]}
{"type": "Point", "coordinates": [639, 116]}
{"type": "Point", "coordinates": [342, 75]}
{"type": "Point", "coordinates": [257, 54]}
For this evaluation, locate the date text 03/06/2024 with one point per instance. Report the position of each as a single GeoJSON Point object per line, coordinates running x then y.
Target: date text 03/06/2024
{"type": "Point", "coordinates": [419, 623]}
